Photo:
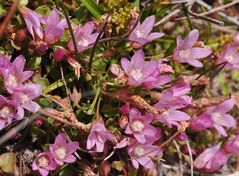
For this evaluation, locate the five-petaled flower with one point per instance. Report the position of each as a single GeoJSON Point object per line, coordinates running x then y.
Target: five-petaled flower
{"type": "Point", "coordinates": [63, 151]}
{"type": "Point", "coordinates": [98, 136]}
{"type": "Point", "coordinates": [84, 37]}
{"type": "Point", "coordinates": [215, 116]}
{"type": "Point", "coordinates": [44, 163]}
{"type": "Point", "coordinates": [140, 126]}
{"type": "Point", "coordinates": [185, 51]}
{"type": "Point", "coordinates": [211, 159]}
{"type": "Point", "coordinates": [142, 35]}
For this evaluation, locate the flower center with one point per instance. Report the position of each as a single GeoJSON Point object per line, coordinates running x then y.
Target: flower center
{"type": "Point", "coordinates": [136, 74]}
{"type": "Point", "coordinates": [24, 98]}
{"type": "Point", "coordinates": [140, 33]}
{"type": "Point", "coordinates": [83, 42]}
{"type": "Point", "coordinates": [137, 126]}
{"type": "Point", "coordinates": [43, 162]}
{"type": "Point", "coordinates": [216, 116]}
{"type": "Point", "coordinates": [4, 112]}
{"type": "Point", "coordinates": [11, 81]}
{"type": "Point", "coordinates": [139, 151]}
{"type": "Point", "coordinates": [184, 53]}
{"type": "Point", "coordinates": [229, 58]}
{"type": "Point", "coordinates": [60, 153]}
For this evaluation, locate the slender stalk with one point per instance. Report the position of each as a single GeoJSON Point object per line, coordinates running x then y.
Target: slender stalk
{"type": "Point", "coordinates": [96, 42]}
{"type": "Point", "coordinates": [8, 17]}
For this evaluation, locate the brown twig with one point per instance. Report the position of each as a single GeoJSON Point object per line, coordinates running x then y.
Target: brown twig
{"type": "Point", "coordinates": [220, 8]}
{"type": "Point", "coordinates": [211, 20]}
{"type": "Point", "coordinates": [8, 17]}
{"type": "Point", "coordinates": [78, 125]}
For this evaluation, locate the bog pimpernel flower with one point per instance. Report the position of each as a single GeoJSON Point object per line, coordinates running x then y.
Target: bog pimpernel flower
{"type": "Point", "coordinates": [24, 97]}
{"type": "Point", "coordinates": [216, 117]}
{"type": "Point", "coordinates": [44, 163]}
{"type": "Point", "coordinates": [63, 151]}
{"type": "Point", "coordinates": [185, 51]}
{"type": "Point", "coordinates": [98, 136]}
{"type": "Point", "coordinates": [230, 55]}
{"type": "Point", "coordinates": [14, 75]}
{"type": "Point", "coordinates": [211, 159]}
{"type": "Point", "coordinates": [54, 27]}
{"type": "Point", "coordinates": [142, 154]}
{"type": "Point", "coordinates": [175, 96]}
{"type": "Point", "coordinates": [137, 70]}
{"type": "Point", "coordinates": [142, 34]}
{"type": "Point", "coordinates": [140, 126]}
{"type": "Point", "coordinates": [84, 37]}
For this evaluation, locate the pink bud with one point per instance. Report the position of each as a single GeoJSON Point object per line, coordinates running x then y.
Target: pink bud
{"type": "Point", "coordinates": [59, 54]}
{"type": "Point", "coordinates": [38, 122]}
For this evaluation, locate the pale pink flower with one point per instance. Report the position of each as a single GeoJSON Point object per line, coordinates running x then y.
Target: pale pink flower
{"type": "Point", "coordinates": [62, 151]}
{"type": "Point", "coordinates": [4, 63]}
{"type": "Point", "coordinates": [211, 159]}
{"type": "Point", "coordinates": [142, 34]}
{"type": "Point", "coordinates": [185, 51]}
{"type": "Point", "coordinates": [137, 70]}
{"type": "Point", "coordinates": [98, 136]}
{"type": "Point", "coordinates": [142, 154]}
{"type": "Point", "coordinates": [33, 21]}
{"type": "Point", "coordinates": [24, 97]}
{"type": "Point", "coordinates": [140, 126]}
{"type": "Point", "coordinates": [230, 55]}
{"type": "Point", "coordinates": [215, 117]}
{"type": "Point", "coordinates": [175, 96]}
{"type": "Point", "coordinates": [172, 117]}
{"type": "Point", "coordinates": [54, 27]}
{"type": "Point", "coordinates": [14, 75]}
{"type": "Point", "coordinates": [84, 37]}
{"type": "Point", "coordinates": [44, 163]}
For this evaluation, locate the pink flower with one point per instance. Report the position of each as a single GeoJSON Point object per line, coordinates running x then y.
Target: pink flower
{"type": "Point", "coordinates": [161, 75]}
{"type": "Point", "coordinates": [44, 163]}
{"type": "Point", "coordinates": [98, 136]}
{"type": "Point", "coordinates": [84, 37]}
{"type": "Point", "coordinates": [54, 27]}
{"type": "Point", "coordinates": [33, 21]}
{"type": "Point", "coordinates": [140, 126]}
{"type": "Point", "coordinates": [24, 97]}
{"type": "Point", "coordinates": [230, 55]}
{"type": "Point", "coordinates": [137, 70]}
{"type": "Point", "coordinates": [215, 116]}
{"type": "Point", "coordinates": [232, 145]}
{"type": "Point", "coordinates": [142, 35]}
{"type": "Point", "coordinates": [175, 96]}
{"type": "Point", "coordinates": [186, 53]}
{"type": "Point", "coordinates": [172, 117]}
{"type": "Point", "coordinates": [211, 159]}
{"type": "Point", "coordinates": [8, 111]}
{"type": "Point", "coordinates": [63, 151]}
{"type": "Point", "coordinates": [142, 154]}
{"type": "Point", "coordinates": [14, 75]}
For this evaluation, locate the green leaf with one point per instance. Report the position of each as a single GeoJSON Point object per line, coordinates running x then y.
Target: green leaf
{"type": "Point", "coordinates": [8, 162]}
{"type": "Point", "coordinates": [93, 8]}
